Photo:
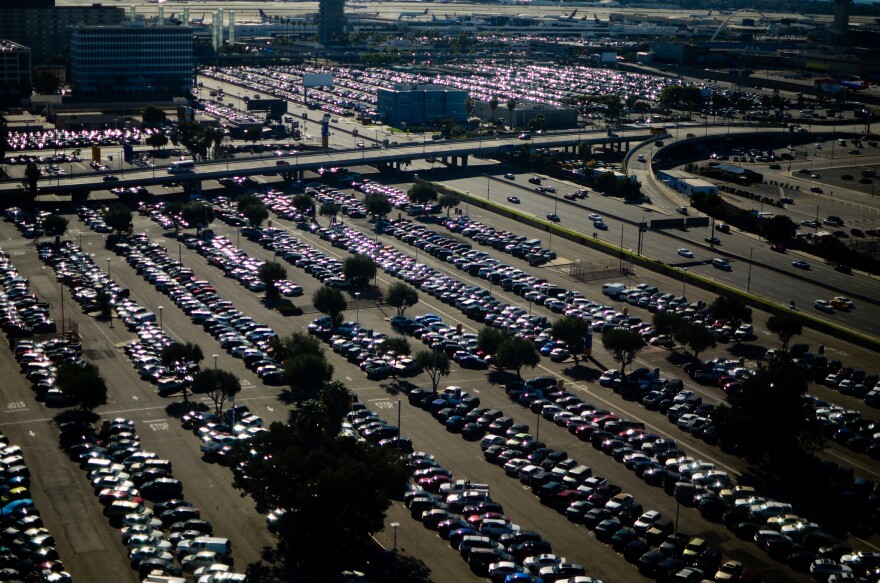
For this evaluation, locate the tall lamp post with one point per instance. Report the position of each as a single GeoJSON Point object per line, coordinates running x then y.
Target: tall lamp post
{"type": "Point", "coordinates": [357, 296]}
{"type": "Point", "coordinates": [749, 279]}
{"type": "Point", "coordinates": [161, 324]}
{"type": "Point", "coordinates": [684, 282]}
{"type": "Point", "coordinates": [394, 527]}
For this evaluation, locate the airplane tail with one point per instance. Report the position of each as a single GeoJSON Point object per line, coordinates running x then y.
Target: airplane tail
{"type": "Point", "coordinates": [425, 12]}
{"type": "Point", "coordinates": [263, 16]}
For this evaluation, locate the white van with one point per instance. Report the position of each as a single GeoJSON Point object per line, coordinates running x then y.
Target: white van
{"type": "Point", "coordinates": [221, 546]}
{"type": "Point", "coordinates": [612, 289]}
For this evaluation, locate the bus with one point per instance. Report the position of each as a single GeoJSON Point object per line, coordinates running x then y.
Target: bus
{"type": "Point", "coordinates": [181, 167]}
{"type": "Point", "coordinates": [658, 131]}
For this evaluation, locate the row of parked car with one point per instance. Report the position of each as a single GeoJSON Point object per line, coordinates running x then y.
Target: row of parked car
{"type": "Point", "coordinates": [464, 514]}
{"type": "Point", "coordinates": [21, 312]}
{"type": "Point", "coordinates": [170, 537]}
{"type": "Point", "coordinates": [236, 333]}
{"type": "Point", "coordinates": [28, 548]}
{"type": "Point", "coordinates": [562, 483]}
{"type": "Point", "coordinates": [659, 462]}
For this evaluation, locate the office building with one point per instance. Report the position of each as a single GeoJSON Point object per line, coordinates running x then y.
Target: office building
{"type": "Point", "coordinates": [132, 59]}
{"type": "Point", "coordinates": [687, 183]}
{"type": "Point", "coordinates": [331, 22]}
{"type": "Point", "coordinates": [46, 30]}
{"type": "Point", "coordinates": [421, 105]}
{"type": "Point", "coordinates": [15, 72]}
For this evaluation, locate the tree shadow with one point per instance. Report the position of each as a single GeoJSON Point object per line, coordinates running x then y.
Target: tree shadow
{"type": "Point", "coordinates": [76, 416]}
{"type": "Point", "coordinates": [679, 358]}
{"type": "Point", "coordinates": [180, 408]}
{"type": "Point", "coordinates": [391, 388]}
{"type": "Point", "coordinates": [406, 386]}
{"type": "Point", "coordinates": [749, 351]}
{"type": "Point", "coordinates": [502, 377]}
{"type": "Point", "coordinates": [288, 397]}
{"type": "Point", "coordinates": [580, 372]}
{"type": "Point", "coordinates": [273, 568]}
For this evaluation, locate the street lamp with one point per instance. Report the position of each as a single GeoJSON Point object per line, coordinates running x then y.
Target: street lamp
{"type": "Point", "coordinates": [398, 424]}
{"type": "Point", "coordinates": [394, 527]}
{"type": "Point", "coordinates": [467, 208]}
{"type": "Point", "coordinates": [749, 279]}
{"type": "Point", "coordinates": [161, 325]}
{"type": "Point", "coordinates": [684, 281]}
{"type": "Point", "coordinates": [108, 265]}
{"type": "Point", "coordinates": [357, 296]}
{"type": "Point", "coordinates": [488, 183]}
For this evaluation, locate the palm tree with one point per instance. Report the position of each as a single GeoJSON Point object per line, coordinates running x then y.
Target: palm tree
{"type": "Point", "coordinates": [511, 105]}
{"type": "Point", "coordinates": [493, 105]}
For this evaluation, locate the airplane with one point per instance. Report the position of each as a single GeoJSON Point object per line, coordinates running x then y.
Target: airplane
{"type": "Point", "coordinates": [198, 20]}
{"type": "Point", "coordinates": [569, 16]}
{"type": "Point", "coordinates": [438, 21]}
{"type": "Point", "coordinates": [411, 14]}
{"type": "Point", "coordinates": [156, 1]}
{"type": "Point", "coordinates": [700, 16]}
{"type": "Point", "coordinates": [854, 85]}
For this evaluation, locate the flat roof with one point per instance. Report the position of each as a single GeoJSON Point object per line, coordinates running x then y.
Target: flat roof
{"type": "Point", "coordinates": [698, 183]}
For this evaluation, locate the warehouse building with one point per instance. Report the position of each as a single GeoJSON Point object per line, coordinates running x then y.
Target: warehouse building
{"type": "Point", "coordinates": [686, 183]}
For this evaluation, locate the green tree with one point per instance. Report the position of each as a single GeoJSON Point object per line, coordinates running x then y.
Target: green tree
{"type": "Point", "coordinates": [330, 301]}
{"type": "Point", "coordinates": [218, 384]}
{"type": "Point", "coordinates": [330, 210]}
{"type": "Point", "coordinates": [778, 228]}
{"type": "Point", "coordinates": [304, 204]}
{"type": "Point", "coordinates": [182, 355]}
{"type": "Point", "coordinates": [493, 105]}
{"type": "Point", "coordinates": [449, 201]}
{"type": "Point", "coordinates": [730, 309]}
{"type": "Point", "coordinates": [399, 346]}
{"type": "Point", "coordinates": [358, 269]}
{"type": "Point", "coordinates": [623, 345]}
{"type": "Point", "coordinates": [401, 296]}
{"type": "Point", "coordinates": [45, 83]}
{"type": "Point", "coordinates": [489, 339]}
{"type": "Point", "coordinates": [190, 135]}
{"type": "Point", "coordinates": [573, 331]}
{"type": "Point", "coordinates": [422, 193]}
{"type": "Point", "coordinates": [377, 204]}
{"type": "Point", "coordinates": [32, 176]}
{"type": "Point", "coordinates": [157, 140]}
{"type": "Point", "coordinates": [665, 323]}
{"type": "Point", "coordinates": [698, 339]}
{"type": "Point", "coordinates": [511, 105]}
{"type": "Point", "coordinates": [198, 213]}
{"type": "Point", "coordinates": [253, 208]}
{"type": "Point", "coordinates": [152, 115]}
{"type": "Point", "coordinates": [786, 327]}
{"type": "Point", "coordinates": [118, 217]}
{"type": "Point", "coordinates": [335, 490]}
{"type": "Point", "coordinates": [516, 352]}
{"type": "Point", "coordinates": [253, 134]}
{"type": "Point", "coordinates": [270, 273]}
{"type": "Point", "coordinates": [433, 362]}
{"type": "Point", "coordinates": [306, 373]}
{"type": "Point", "coordinates": [768, 421]}
{"type": "Point", "coordinates": [82, 385]}
{"type": "Point", "coordinates": [55, 226]}
{"type": "Point", "coordinates": [103, 303]}
{"type": "Point", "coordinates": [296, 343]}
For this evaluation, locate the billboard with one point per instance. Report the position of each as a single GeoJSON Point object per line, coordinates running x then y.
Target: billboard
{"type": "Point", "coordinates": [317, 80]}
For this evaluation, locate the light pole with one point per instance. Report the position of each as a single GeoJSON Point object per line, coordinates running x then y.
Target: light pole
{"type": "Point", "coordinates": [357, 296]}
{"type": "Point", "coordinates": [108, 266]}
{"type": "Point", "coordinates": [180, 253]}
{"type": "Point", "coordinates": [538, 428]}
{"type": "Point", "coordinates": [684, 281]}
{"type": "Point", "coordinates": [488, 183]}
{"type": "Point", "coordinates": [749, 279]}
{"type": "Point", "coordinates": [394, 527]}
{"type": "Point", "coordinates": [161, 324]}
{"type": "Point", "coordinates": [398, 424]}
{"type": "Point", "coordinates": [467, 208]}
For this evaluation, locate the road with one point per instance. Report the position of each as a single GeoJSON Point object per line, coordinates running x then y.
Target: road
{"type": "Point", "coordinates": [771, 274]}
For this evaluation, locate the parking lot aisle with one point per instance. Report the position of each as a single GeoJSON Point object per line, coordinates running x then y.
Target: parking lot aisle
{"type": "Point", "coordinates": [88, 547]}
{"type": "Point", "coordinates": [417, 541]}
{"type": "Point", "coordinates": [209, 488]}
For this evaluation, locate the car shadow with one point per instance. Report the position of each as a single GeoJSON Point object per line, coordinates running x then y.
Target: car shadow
{"type": "Point", "coordinates": [678, 358]}
{"type": "Point", "coordinates": [502, 377]}
{"type": "Point", "coordinates": [582, 372]}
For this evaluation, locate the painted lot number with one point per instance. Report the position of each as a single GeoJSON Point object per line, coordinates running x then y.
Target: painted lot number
{"type": "Point", "coordinates": [17, 405]}
{"type": "Point", "coordinates": [385, 405]}
{"type": "Point", "coordinates": [159, 426]}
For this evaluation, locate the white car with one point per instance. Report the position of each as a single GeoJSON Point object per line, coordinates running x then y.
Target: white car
{"type": "Point", "coordinates": [595, 217]}
{"type": "Point", "coordinates": [685, 252]}
{"type": "Point", "coordinates": [201, 559]}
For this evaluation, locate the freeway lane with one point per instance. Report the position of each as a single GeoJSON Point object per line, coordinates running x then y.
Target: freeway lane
{"type": "Point", "coordinates": [771, 274]}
